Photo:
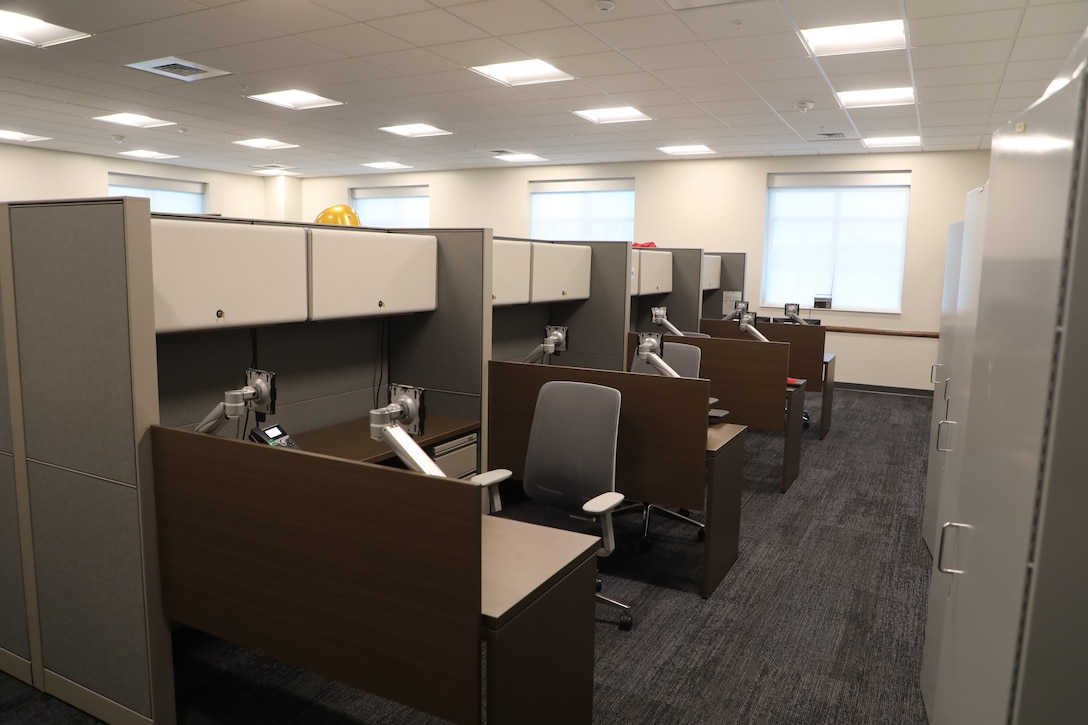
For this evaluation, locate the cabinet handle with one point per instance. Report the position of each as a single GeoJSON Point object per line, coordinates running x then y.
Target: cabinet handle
{"type": "Point", "coordinates": [933, 372]}
{"type": "Point", "coordinates": [940, 426]}
{"type": "Point", "coordinates": [940, 548]}
{"type": "Point", "coordinates": [947, 395]}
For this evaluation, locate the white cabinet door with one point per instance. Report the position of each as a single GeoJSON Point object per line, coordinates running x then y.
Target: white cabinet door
{"type": "Point", "coordinates": [712, 272]}
{"type": "Point", "coordinates": [511, 265]}
{"type": "Point", "coordinates": [356, 273]}
{"type": "Point", "coordinates": [211, 274]}
{"type": "Point", "coordinates": [561, 272]}
{"type": "Point", "coordinates": [654, 272]}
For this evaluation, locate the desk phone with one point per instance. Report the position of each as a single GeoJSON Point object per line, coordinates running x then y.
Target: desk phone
{"type": "Point", "coordinates": [273, 435]}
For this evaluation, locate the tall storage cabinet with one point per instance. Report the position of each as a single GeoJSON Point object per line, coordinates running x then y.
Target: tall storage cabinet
{"type": "Point", "coordinates": [1013, 640]}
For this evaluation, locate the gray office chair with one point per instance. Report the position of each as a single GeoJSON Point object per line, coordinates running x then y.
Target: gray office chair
{"type": "Point", "coordinates": [685, 360]}
{"type": "Point", "coordinates": [570, 464]}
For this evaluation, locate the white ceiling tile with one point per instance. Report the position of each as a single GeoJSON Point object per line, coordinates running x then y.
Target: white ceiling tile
{"type": "Point", "coordinates": [624, 82]}
{"type": "Point", "coordinates": [355, 39]}
{"type": "Point", "coordinates": [759, 47]}
{"type": "Point", "coordinates": [375, 9]}
{"type": "Point", "coordinates": [595, 64]}
{"type": "Point", "coordinates": [413, 61]}
{"type": "Point", "coordinates": [1033, 70]}
{"type": "Point", "coordinates": [1054, 19]}
{"type": "Point", "coordinates": [431, 27]}
{"type": "Point", "coordinates": [735, 108]}
{"type": "Point", "coordinates": [721, 92]}
{"type": "Point", "coordinates": [556, 42]}
{"type": "Point", "coordinates": [808, 14]}
{"type": "Point", "coordinates": [775, 70]}
{"type": "Point", "coordinates": [930, 8]}
{"type": "Point", "coordinates": [736, 21]}
{"type": "Point", "coordinates": [800, 88]}
{"type": "Point", "coordinates": [696, 77]}
{"type": "Point", "coordinates": [642, 32]}
{"type": "Point", "coordinates": [973, 92]}
{"type": "Point", "coordinates": [296, 16]}
{"type": "Point", "coordinates": [501, 16]}
{"type": "Point", "coordinates": [481, 51]}
{"type": "Point", "coordinates": [956, 54]}
{"type": "Point", "coordinates": [983, 76]}
{"type": "Point", "coordinates": [663, 57]}
{"type": "Point", "coordinates": [993, 25]}
{"type": "Point", "coordinates": [855, 63]}
{"type": "Point", "coordinates": [870, 81]}
{"type": "Point", "coordinates": [289, 50]}
{"type": "Point", "coordinates": [219, 27]}
{"type": "Point", "coordinates": [1044, 47]}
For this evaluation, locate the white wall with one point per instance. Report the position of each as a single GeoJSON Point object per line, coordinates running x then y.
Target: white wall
{"type": "Point", "coordinates": [719, 205]}
{"type": "Point", "coordinates": [716, 204]}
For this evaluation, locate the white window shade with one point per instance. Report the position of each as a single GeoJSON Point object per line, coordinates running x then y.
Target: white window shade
{"type": "Point", "coordinates": [582, 209]}
{"type": "Point", "coordinates": [175, 196]}
{"type": "Point", "coordinates": [393, 207]}
{"type": "Point", "coordinates": [842, 235]}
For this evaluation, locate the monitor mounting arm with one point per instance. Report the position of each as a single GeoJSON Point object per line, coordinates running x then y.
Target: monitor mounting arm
{"type": "Point", "coordinates": [748, 324]}
{"type": "Point", "coordinates": [649, 349]}
{"type": "Point", "coordinates": [258, 394]}
{"type": "Point", "coordinates": [658, 317]}
{"type": "Point", "coordinates": [395, 423]}
{"type": "Point", "coordinates": [793, 312]}
{"type": "Point", "coordinates": [555, 341]}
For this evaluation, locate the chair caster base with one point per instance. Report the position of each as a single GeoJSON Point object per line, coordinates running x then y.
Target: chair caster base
{"type": "Point", "coordinates": [626, 623]}
{"type": "Point", "coordinates": [700, 535]}
{"type": "Point", "coordinates": [646, 544]}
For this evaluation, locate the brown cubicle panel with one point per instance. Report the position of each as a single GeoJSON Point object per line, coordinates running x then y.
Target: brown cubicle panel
{"type": "Point", "coordinates": [662, 435]}
{"type": "Point", "coordinates": [352, 570]}
{"type": "Point", "coordinates": [747, 377]}
{"type": "Point", "coordinates": [806, 345]}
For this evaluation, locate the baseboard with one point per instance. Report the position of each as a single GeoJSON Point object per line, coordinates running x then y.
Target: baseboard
{"type": "Point", "coordinates": [16, 666]}
{"type": "Point", "coordinates": [886, 390]}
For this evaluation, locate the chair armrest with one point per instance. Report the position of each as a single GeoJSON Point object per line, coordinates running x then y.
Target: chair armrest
{"type": "Point", "coordinates": [490, 478]}
{"type": "Point", "coordinates": [490, 481]}
{"type": "Point", "coordinates": [603, 503]}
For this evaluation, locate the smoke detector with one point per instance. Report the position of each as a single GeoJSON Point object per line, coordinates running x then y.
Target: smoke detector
{"type": "Point", "coordinates": [804, 106]}
{"type": "Point", "coordinates": [604, 5]}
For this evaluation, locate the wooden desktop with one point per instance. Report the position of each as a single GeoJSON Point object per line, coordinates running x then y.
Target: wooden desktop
{"type": "Point", "coordinates": [666, 454]}
{"type": "Point", "coordinates": [368, 574]}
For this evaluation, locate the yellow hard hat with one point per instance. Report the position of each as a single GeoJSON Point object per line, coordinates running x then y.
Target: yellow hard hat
{"type": "Point", "coordinates": [341, 214]}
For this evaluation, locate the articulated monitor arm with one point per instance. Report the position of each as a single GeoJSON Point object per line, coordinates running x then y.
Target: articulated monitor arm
{"type": "Point", "coordinates": [793, 312]}
{"type": "Point", "coordinates": [658, 317]}
{"type": "Point", "coordinates": [748, 324]}
{"type": "Point", "coordinates": [649, 347]}
{"type": "Point", "coordinates": [555, 341]}
{"type": "Point", "coordinates": [258, 392]}
{"type": "Point", "coordinates": [386, 425]}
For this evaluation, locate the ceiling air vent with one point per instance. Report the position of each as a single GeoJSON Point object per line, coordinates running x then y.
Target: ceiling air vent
{"type": "Point", "coordinates": [830, 135]}
{"type": "Point", "coordinates": [273, 167]}
{"type": "Point", "coordinates": [182, 70]}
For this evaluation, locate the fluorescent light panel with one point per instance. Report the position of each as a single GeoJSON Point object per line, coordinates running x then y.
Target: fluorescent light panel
{"type": "Point", "coordinates": [877, 97]}
{"type": "Point", "coordinates": [415, 130]}
{"type": "Point", "coordinates": [892, 141]}
{"type": "Point", "coordinates": [516, 158]}
{"type": "Point", "coordinates": [268, 144]}
{"type": "Point", "coordinates": [859, 38]}
{"type": "Point", "coordinates": [522, 72]}
{"type": "Point", "coordinates": [145, 154]}
{"type": "Point", "coordinates": [693, 150]}
{"type": "Point", "coordinates": [621, 114]}
{"type": "Point", "coordinates": [387, 165]}
{"type": "Point", "coordinates": [295, 100]}
{"type": "Point", "coordinates": [18, 136]}
{"type": "Point", "coordinates": [31, 31]}
{"type": "Point", "coordinates": [135, 120]}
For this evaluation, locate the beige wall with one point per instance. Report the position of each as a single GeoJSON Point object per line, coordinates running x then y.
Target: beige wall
{"type": "Point", "coordinates": [716, 204]}
{"type": "Point", "coordinates": [719, 205]}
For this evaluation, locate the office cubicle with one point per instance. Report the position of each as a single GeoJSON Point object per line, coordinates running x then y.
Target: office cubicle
{"type": "Point", "coordinates": [82, 349]}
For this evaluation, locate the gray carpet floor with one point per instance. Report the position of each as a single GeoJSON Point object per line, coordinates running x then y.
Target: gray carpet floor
{"type": "Point", "coordinates": [820, 621]}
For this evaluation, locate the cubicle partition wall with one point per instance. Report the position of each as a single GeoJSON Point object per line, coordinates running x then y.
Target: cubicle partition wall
{"type": "Point", "coordinates": [748, 378]}
{"type": "Point", "coordinates": [328, 564]}
{"type": "Point", "coordinates": [78, 565]}
{"type": "Point", "coordinates": [684, 301]}
{"type": "Point", "coordinates": [808, 356]}
{"type": "Point", "coordinates": [596, 324]}
{"type": "Point", "coordinates": [730, 286]}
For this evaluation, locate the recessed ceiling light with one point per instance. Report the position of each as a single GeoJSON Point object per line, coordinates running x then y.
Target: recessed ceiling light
{"type": "Point", "coordinates": [268, 144]}
{"type": "Point", "coordinates": [18, 136]}
{"type": "Point", "coordinates": [892, 141]}
{"type": "Point", "coordinates": [135, 119]}
{"type": "Point", "coordinates": [31, 31]}
{"type": "Point", "coordinates": [295, 100]}
{"type": "Point", "coordinates": [859, 38]}
{"type": "Point", "coordinates": [621, 114]}
{"type": "Point", "coordinates": [388, 165]}
{"type": "Point", "coordinates": [415, 130]}
{"type": "Point", "coordinates": [522, 72]}
{"type": "Point", "coordinates": [144, 154]}
{"type": "Point", "coordinates": [515, 158]}
{"type": "Point", "coordinates": [693, 150]}
{"type": "Point", "coordinates": [877, 97]}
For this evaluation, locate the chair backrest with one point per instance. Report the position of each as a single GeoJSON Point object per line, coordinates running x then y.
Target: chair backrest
{"type": "Point", "coordinates": [571, 456]}
{"type": "Point", "coordinates": [684, 359]}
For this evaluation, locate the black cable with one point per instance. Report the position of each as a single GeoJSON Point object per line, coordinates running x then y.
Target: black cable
{"type": "Point", "coordinates": [383, 333]}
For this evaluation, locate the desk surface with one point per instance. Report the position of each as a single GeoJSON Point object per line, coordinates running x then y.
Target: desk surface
{"type": "Point", "coordinates": [720, 434]}
{"type": "Point", "coordinates": [520, 561]}
{"type": "Point", "coordinates": [351, 440]}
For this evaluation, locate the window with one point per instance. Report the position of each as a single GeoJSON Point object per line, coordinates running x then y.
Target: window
{"type": "Point", "coordinates": [842, 235]}
{"type": "Point", "coordinates": [584, 210]}
{"type": "Point", "coordinates": [392, 207]}
{"type": "Point", "coordinates": [166, 195]}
